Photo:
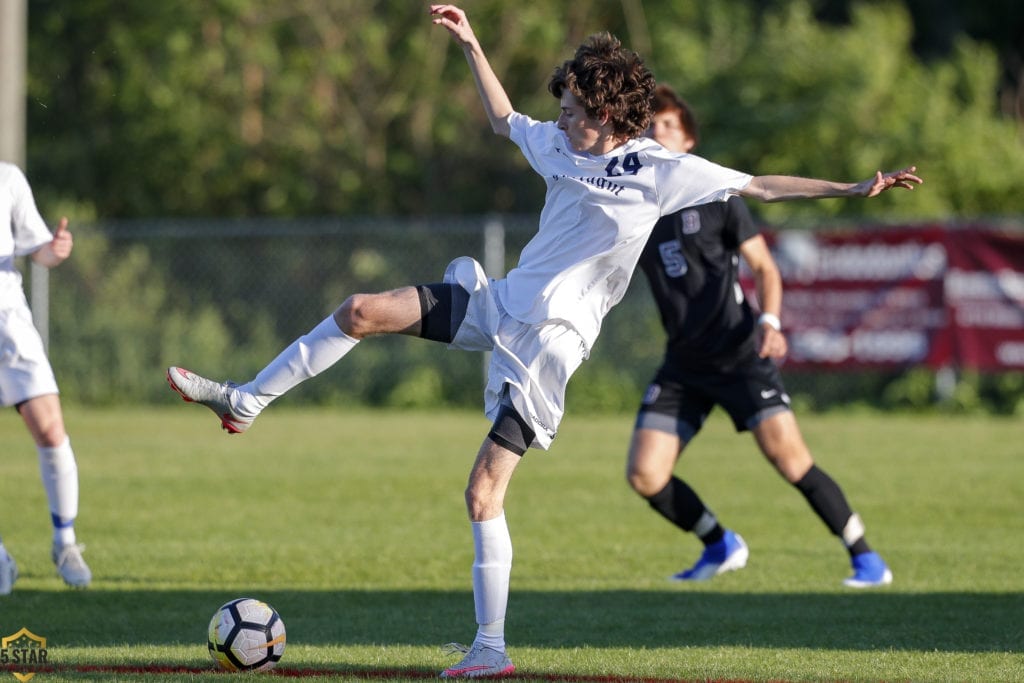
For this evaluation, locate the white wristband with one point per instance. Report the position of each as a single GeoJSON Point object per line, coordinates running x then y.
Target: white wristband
{"type": "Point", "coordinates": [771, 320]}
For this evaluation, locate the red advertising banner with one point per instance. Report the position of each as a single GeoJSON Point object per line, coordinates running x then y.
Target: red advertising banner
{"type": "Point", "coordinates": [902, 296]}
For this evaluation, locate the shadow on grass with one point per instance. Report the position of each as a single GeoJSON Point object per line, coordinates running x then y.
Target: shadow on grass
{"type": "Point", "coordinates": [867, 620]}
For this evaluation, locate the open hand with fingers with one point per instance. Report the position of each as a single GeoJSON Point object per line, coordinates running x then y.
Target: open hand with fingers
{"type": "Point", "coordinates": [883, 181]}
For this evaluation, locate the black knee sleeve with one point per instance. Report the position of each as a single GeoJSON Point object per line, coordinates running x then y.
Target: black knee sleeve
{"type": "Point", "coordinates": [442, 310]}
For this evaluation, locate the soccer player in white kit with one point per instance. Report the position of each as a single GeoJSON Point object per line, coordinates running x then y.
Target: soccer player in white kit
{"type": "Point", "coordinates": [606, 187]}
{"type": "Point", "coordinates": [26, 378]}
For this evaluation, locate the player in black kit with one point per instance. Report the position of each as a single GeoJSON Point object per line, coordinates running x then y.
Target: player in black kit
{"type": "Point", "coordinates": [718, 353]}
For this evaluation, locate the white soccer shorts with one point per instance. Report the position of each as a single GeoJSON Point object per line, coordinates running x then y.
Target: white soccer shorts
{"type": "Point", "coordinates": [536, 361]}
{"type": "Point", "coordinates": [25, 370]}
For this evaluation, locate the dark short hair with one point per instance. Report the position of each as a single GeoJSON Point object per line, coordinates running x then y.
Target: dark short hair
{"type": "Point", "coordinates": [667, 99]}
{"type": "Point", "coordinates": [608, 79]}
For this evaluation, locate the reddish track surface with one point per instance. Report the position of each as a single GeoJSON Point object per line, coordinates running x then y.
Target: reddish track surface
{"type": "Point", "coordinates": [362, 674]}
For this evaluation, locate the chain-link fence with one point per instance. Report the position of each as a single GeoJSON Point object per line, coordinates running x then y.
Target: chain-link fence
{"type": "Point", "coordinates": [223, 298]}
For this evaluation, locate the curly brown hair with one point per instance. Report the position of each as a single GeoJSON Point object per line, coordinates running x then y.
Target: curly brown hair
{"type": "Point", "coordinates": [608, 79]}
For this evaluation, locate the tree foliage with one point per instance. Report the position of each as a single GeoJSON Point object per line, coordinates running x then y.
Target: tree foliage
{"type": "Point", "coordinates": [784, 93]}
{"type": "Point", "coordinates": [324, 107]}
{"type": "Point", "coordinates": [232, 109]}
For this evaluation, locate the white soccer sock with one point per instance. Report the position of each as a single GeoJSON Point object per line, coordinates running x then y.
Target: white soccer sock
{"type": "Point", "coordinates": [308, 356]}
{"type": "Point", "coordinates": [59, 472]}
{"type": "Point", "coordinates": [492, 635]}
{"type": "Point", "coordinates": [492, 567]}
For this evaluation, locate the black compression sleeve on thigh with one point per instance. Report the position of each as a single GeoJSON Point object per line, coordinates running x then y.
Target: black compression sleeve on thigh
{"type": "Point", "coordinates": [679, 504]}
{"type": "Point", "coordinates": [459, 304]}
{"type": "Point", "coordinates": [442, 310]}
{"type": "Point", "coordinates": [511, 431]}
{"type": "Point", "coordinates": [505, 443]}
{"type": "Point", "coordinates": [435, 312]}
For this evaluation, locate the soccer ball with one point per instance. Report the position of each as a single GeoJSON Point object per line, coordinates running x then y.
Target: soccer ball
{"type": "Point", "coordinates": [246, 635]}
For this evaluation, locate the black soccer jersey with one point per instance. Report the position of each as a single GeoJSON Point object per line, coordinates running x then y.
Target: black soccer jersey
{"type": "Point", "coordinates": [692, 264]}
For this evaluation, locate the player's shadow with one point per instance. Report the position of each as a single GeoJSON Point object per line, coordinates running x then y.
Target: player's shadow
{"type": "Point", "coordinates": [862, 620]}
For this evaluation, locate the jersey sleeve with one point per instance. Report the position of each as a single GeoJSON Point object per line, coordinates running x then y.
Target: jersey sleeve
{"type": "Point", "coordinates": [739, 224]}
{"type": "Point", "coordinates": [28, 227]}
{"type": "Point", "coordinates": [531, 137]}
{"type": "Point", "coordinates": [688, 180]}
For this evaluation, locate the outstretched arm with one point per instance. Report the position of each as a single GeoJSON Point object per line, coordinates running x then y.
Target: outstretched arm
{"type": "Point", "coordinates": [496, 102]}
{"type": "Point", "coordinates": [780, 188]}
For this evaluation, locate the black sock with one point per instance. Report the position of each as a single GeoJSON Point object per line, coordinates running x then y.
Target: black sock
{"type": "Point", "coordinates": [680, 504]}
{"type": "Point", "coordinates": [828, 501]}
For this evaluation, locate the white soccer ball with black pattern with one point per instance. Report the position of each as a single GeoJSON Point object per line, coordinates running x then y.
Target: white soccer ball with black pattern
{"type": "Point", "coordinates": [246, 635]}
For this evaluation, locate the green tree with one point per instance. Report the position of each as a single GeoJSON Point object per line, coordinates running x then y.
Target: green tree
{"type": "Point", "coordinates": [251, 107]}
{"type": "Point", "coordinates": [159, 112]}
{"type": "Point", "coordinates": [321, 107]}
{"type": "Point", "coordinates": [784, 93]}
{"type": "Point", "coordinates": [256, 108]}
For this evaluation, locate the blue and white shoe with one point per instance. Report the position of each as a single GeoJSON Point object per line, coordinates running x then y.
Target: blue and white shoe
{"type": "Point", "coordinates": [728, 554]}
{"type": "Point", "coordinates": [869, 570]}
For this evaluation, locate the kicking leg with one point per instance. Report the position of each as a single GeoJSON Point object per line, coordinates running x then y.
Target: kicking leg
{"type": "Point", "coordinates": [398, 311]}
{"type": "Point", "coordinates": [362, 315]}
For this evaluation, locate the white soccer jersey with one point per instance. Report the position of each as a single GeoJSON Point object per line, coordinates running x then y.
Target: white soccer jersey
{"type": "Point", "coordinates": [598, 213]}
{"type": "Point", "coordinates": [24, 232]}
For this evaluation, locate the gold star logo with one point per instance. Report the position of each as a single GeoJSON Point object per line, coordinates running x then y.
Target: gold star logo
{"type": "Point", "coordinates": [23, 647]}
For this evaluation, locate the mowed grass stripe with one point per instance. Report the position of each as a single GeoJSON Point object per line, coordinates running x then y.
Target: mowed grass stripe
{"type": "Point", "coordinates": [351, 523]}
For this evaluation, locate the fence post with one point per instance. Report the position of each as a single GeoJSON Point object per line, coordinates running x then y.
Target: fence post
{"type": "Point", "coordinates": [494, 247]}
{"type": "Point", "coordinates": [13, 59]}
{"type": "Point", "coordinates": [40, 278]}
{"type": "Point", "coordinates": [945, 383]}
{"type": "Point", "coordinates": [494, 262]}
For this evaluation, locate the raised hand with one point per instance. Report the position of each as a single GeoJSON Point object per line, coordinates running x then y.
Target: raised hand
{"type": "Point", "coordinates": [453, 19]}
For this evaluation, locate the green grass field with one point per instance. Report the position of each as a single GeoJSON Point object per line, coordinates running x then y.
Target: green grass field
{"type": "Point", "coordinates": [352, 525]}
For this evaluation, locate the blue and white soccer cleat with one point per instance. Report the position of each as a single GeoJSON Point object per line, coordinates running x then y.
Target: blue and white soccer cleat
{"type": "Point", "coordinates": [725, 556]}
{"type": "Point", "coordinates": [869, 570]}
{"type": "Point", "coordinates": [480, 662]}
{"type": "Point", "coordinates": [213, 395]}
